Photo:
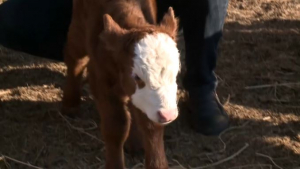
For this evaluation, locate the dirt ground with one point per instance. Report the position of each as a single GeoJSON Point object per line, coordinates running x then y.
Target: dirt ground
{"type": "Point", "coordinates": [259, 84]}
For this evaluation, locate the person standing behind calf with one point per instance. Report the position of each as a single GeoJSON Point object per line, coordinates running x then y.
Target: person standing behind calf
{"type": "Point", "coordinates": [202, 22]}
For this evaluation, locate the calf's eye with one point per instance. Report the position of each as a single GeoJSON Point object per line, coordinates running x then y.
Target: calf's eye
{"type": "Point", "coordinates": [139, 81]}
{"type": "Point", "coordinates": [137, 78]}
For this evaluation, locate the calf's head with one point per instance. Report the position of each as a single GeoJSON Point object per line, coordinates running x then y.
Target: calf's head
{"type": "Point", "coordinates": [149, 61]}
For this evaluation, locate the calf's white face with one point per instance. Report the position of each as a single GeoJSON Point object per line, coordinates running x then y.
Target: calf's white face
{"type": "Point", "coordinates": [157, 64]}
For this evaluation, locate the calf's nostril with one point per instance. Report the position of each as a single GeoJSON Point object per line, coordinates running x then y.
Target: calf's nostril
{"type": "Point", "coordinates": [165, 116]}
{"type": "Point", "coordinates": [161, 116]}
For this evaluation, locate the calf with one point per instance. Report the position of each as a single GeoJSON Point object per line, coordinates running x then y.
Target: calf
{"type": "Point", "coordinates": [132, 64]}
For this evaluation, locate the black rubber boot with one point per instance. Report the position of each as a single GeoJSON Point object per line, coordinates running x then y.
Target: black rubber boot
{"type": "Point", "coordinates": [207, 115]}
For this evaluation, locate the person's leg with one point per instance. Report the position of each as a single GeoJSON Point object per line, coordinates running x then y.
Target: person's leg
{"type": "Point", "coordinates": [202, 23]}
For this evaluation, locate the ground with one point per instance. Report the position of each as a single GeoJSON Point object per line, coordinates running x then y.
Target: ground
{"type": "Point", "coordinates": [258, 71]}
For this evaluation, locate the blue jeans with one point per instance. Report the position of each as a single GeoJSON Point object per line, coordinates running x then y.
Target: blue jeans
{"type": "Point", "coordinates": [202, 22]}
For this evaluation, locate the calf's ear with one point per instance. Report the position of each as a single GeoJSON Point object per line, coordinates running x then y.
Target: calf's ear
{"type": "Point", "coordinates": [109, 25]}
{"type": "Point", "coordinates": [169, 23]}
{"type": "Point", "coordinates": [112, 33]}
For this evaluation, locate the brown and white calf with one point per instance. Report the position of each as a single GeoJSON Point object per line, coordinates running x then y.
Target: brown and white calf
{"type": "Point", "coordinates": [132, 65]}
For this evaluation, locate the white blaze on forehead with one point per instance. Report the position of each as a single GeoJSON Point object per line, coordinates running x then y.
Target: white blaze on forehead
{"type": "Point", "coordinates": [156, 60]}
{"type": "Point", "coordinates": [157, 63]}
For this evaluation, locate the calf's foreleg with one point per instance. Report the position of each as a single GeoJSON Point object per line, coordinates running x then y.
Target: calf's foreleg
{"type": "Point", "coordinates": [115, 124]}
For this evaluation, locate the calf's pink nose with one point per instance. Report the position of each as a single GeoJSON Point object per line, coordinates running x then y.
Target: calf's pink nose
{"type": "Point", "coordinates": [167, 115]}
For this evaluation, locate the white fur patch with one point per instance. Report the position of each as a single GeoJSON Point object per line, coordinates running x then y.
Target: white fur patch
{"type": "Point", "coordinates": [157, 63]}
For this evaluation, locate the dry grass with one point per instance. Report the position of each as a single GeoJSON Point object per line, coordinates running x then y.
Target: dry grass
{"type": "Point", "coordinates": [260, 46]}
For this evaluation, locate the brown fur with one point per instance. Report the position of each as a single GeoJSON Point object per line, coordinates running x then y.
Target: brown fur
{"type": "Point", "coordinates": [101, 37]}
